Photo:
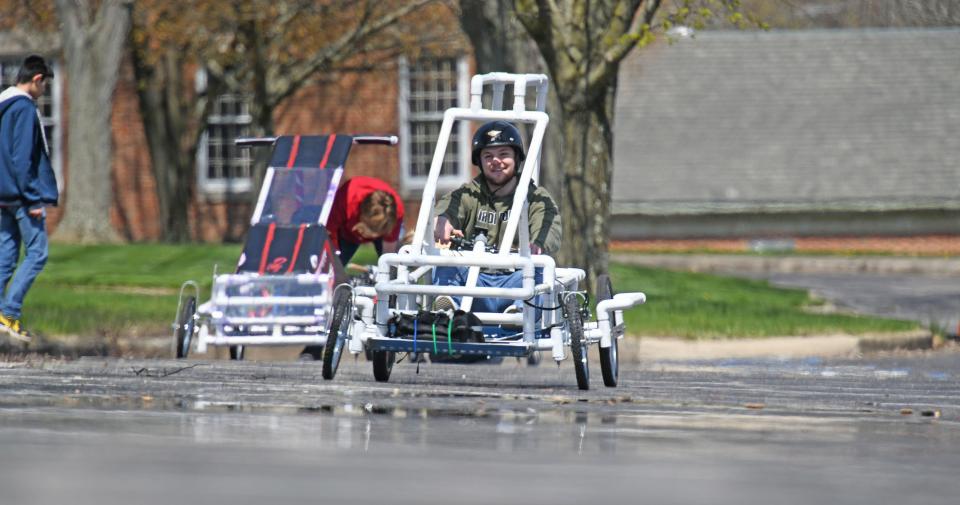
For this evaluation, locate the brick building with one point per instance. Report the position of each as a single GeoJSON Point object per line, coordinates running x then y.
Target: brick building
{"type": "Point", "coordinates": [406, 98]}
{"type": "Point", "coordinates": [729, 134]}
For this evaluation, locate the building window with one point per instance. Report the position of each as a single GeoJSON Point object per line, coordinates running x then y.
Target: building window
{"type": "Point", "coordinates": [428, 87]}
{"type": "Point", "coordinates": [49, 105]}
{"type": "Point", "coordinates": [222, 167]}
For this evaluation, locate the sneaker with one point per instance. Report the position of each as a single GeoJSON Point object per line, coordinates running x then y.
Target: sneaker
{"type": "Point", "coordinates": [12, 327]}
{"type": "Point", "coordinates": [444, 302]}
{"type": "Point", "coordinates": [512, 309]}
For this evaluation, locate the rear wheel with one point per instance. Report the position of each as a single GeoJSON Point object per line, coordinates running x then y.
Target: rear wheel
{"type": "Point", "coordinates": [383, 365]}
{"type": "Point", "coordinates": [236, 352]}
{"type": "Point", "coordinates": [609, 360]}
{"type": "Point", "coordinates": [578, 347]}
{"type": "Point", "coordinates": [339, 331]}
{"type": "Point", "coordinates": [184, 327]}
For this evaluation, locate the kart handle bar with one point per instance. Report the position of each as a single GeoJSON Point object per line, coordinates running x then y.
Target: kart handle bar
{"type": "Point", "coordinates": [390, 140]}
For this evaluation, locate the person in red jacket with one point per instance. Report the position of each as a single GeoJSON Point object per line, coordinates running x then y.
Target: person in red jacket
{"type": "Point", "coordinates": [364, 210]}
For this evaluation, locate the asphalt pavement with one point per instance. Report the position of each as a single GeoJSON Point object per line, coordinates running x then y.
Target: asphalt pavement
{"type": "Point", "coordinates": [863, 431]}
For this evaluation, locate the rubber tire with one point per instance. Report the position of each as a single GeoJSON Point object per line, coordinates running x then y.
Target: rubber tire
{"type": "Point", "coordinates": [534, 358]}
{"type": "Point", "coordinates": [383, 365]}
{"type": "Point", "coordinates": [578, 349]}
{"type": "Point", "coordinates": [609, 357]}
{"type": "Point", "coordinates": [183, 332]}
{"type": "Point", "coordinates": [337, 336]}
{"type": "Point", "coordinates": [237, 352]}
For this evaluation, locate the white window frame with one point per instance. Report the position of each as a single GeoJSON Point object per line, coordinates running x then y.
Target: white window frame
{"type": "Point", "coordinates": [410, 184]}
{"type": "Point", "coordinates": [55, 120]}
{"type": "Point", "coordinates": [218, 186]}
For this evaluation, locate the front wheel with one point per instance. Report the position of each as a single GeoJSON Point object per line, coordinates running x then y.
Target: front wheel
{"type": "Point", "coordinates": [383, 365]}
{"type": "Point", "coordinates": [339, 331]}
{"type": "Point", "coordinates": [184, 327]}
{"type": "Point", "coordinates": [237, 352]}
{"type": "Point", "coordinates": [609, 361]}
{"type": "Point", "coordinates": [578, 346]}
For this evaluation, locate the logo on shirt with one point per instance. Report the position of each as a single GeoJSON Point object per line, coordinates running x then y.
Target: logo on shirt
{"type": "Point", "coordinates": [491, 217]}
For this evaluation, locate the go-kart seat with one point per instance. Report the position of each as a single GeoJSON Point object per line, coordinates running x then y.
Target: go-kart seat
{"type": "Point", "coordinates": [309, 214]}
{"type": "Point", "coordinates": [272, 249]}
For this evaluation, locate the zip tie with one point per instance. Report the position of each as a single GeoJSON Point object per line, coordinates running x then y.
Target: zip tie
{"type": "Point", "coordinates": [449, 336]}
{"type": "Point", "coordinates": [416, 325]}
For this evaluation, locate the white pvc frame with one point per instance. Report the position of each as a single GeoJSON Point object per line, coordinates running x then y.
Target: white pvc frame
{"type": "Point", "coordinates": [422, 256]}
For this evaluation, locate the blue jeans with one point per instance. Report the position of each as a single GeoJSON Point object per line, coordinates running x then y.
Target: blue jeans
{"type": "Point", "coordinates": [16, 227]}
{"type": "Point", "coordinates": [457, 276]}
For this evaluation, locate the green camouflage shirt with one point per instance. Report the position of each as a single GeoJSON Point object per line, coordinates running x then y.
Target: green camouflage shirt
{"type": "Point", "coordinates": [472, 209]}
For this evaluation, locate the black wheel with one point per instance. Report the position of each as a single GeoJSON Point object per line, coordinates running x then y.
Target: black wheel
{"type": "Point", "coordinates": [609, 360]}
{"type": "Point", "coordinates": [339, 330]}
{"type": "Point", "coordinates": [383, 365]}
{"type": "Point", "coordinates": [236, 352]}
{"type": "Point", "coordinates": [534, 358]}
{"type": "Point", "coordinates": [183, 329]}
{"type": "Point", "coordinates": [578, 348]}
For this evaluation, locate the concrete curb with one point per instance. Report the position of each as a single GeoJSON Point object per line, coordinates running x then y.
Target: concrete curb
{"type": "Point", "coordinates": [659, 348]}
{"type": "Point", "coordinates": [743, 263]}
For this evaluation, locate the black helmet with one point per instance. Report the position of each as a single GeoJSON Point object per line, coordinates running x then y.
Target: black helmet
{"type": "Point", "coordinates": [498, 133]}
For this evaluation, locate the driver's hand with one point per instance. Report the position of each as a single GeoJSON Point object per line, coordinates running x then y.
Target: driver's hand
{"type": "Point", "coordinates": [535, 249]}
{"type": "Point", "coordinates": [443, 230]}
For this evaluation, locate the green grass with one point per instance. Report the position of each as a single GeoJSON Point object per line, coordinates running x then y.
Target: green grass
{"type": "Point", "coordinates": [128, 290]}
{"type": "Point", "coordinates": [106, 291]}
{"type": "Point", "coordinates": [702, 306]}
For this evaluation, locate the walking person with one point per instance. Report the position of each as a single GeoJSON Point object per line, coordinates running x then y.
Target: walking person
{"type": "Point", "coordinates": [27, 186]}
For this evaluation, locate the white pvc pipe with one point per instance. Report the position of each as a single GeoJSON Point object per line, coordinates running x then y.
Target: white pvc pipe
{"type": "Point", "coordinates": [267, 340]}
{"type": "Point", "coordinates": [520, 195]}
{"type": "Point", "coordinates": [260, 301]}
{"type": "Point", "coordinates": [619, 302]}
{"type": "Point", "coordinates": [228, 280]}
{"type": "Point", "coordinates": [466, 303]}
{"type": "Point", "coordinates": [487, 260]}
{"type": "Point", "coordinates": [267, 320]}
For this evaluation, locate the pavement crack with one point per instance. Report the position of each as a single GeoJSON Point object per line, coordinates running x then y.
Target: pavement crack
{"type": "Point", "coordinates": [146, 372]}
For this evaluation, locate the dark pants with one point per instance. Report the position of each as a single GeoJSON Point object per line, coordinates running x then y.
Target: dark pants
{"type": "Point", "coordinates": [348, 249]}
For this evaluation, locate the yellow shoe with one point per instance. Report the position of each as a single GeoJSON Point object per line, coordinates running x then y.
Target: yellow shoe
{"type": "Point", "coordinates": [12, 327]}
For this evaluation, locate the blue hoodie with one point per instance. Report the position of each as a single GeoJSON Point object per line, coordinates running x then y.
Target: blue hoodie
{"type": "Point", "coordinates": [26, 176]}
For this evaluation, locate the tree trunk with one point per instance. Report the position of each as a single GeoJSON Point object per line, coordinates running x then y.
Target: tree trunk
{"type": "Point", "coordinates": [261, 108]}
{"type": "Point", "coordinates": [92, 49]}
{"type": "Point", "coordinates": [166, 112]}
{"type": "Point", "coordinates": [260, 126]}
{"type": "Point", "coordinates": [587, 163]}
{"type": "Point", "coordinates": [501, 44]}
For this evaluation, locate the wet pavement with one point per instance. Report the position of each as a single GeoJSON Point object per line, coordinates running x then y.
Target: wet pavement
{"type": "Point", "coordinates": [880, 429]}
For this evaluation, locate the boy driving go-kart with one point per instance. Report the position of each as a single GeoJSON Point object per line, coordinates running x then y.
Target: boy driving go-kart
{"type": "Point", "coordinates": [496, 289]}
{"type": "Point", "coordinates": [482, 206]}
